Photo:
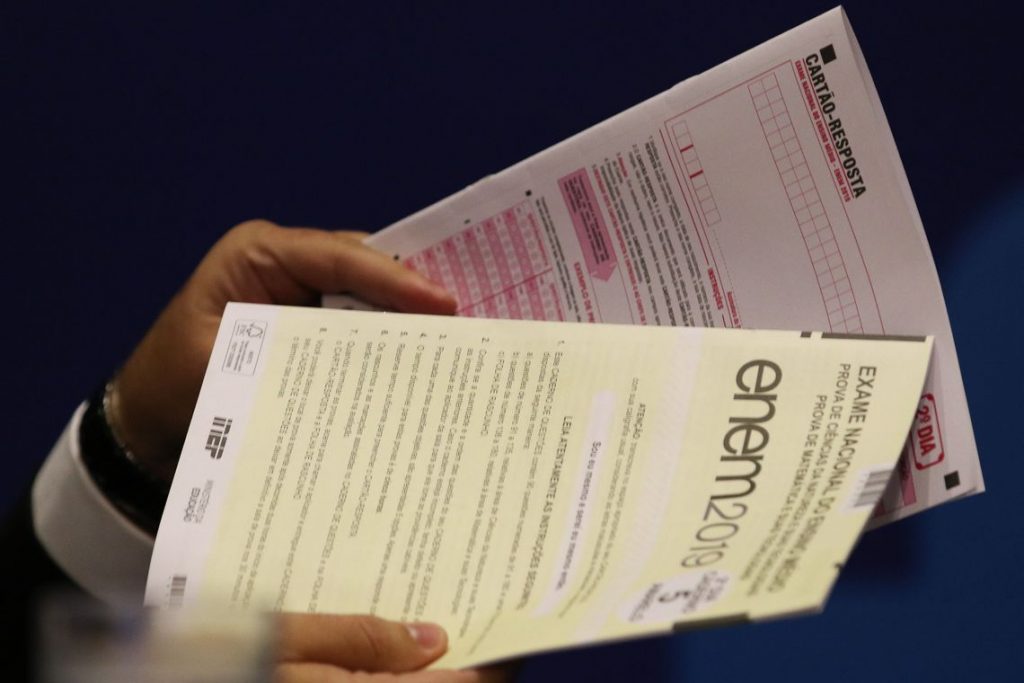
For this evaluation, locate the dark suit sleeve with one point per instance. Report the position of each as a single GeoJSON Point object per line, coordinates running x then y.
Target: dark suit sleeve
{"type": "Point", "coordinates": [27, 574]}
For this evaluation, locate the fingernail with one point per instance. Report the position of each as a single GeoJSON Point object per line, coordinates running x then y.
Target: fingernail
{"type": "Point", "coordinates": [427, 636]}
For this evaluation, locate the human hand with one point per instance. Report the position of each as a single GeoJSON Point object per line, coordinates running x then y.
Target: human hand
{"type": "Point", "coordinates": [153, 396]}
{"type": "Point", "coordinates": [325, 648]}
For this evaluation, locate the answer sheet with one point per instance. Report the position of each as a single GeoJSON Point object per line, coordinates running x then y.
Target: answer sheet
{"type": "Point", "coordinates": [764, 193]}
{"type": "Point", "coordinates": [529, 485]}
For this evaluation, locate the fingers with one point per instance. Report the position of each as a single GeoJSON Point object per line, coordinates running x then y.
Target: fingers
{"type": "Point", "coordinates": [324, 673]}
{"type": "Point", "coordinates": [330, 262]}
{"type": "Point", "coordinates": [361, 643]}
{"type": "Point", "coordinates": [256, 262]}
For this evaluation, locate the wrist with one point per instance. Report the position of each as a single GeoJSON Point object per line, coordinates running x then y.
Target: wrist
{"type": "Point", "coordinates": [137, 434]}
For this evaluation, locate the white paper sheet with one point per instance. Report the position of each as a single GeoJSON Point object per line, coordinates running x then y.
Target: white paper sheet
{"type": "Point", "coordinates": [764, 193]}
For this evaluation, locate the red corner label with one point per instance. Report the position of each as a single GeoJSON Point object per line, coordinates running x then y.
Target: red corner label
{"type": "Point", "coordinates": [925, 435]}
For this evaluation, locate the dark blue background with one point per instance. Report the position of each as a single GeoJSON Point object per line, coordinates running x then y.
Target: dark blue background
{"type": "Point", "coordinates": [134, 135]}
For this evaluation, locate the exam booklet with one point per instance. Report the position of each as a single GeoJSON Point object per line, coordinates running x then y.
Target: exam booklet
{"type": "Point", "coordinates": [529, 485]}
{"type": "Point", "coordinates": [764, 193]}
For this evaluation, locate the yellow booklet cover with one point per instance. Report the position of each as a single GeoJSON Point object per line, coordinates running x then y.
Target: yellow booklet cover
{"type": "Point", "coordinates": [529, 485]}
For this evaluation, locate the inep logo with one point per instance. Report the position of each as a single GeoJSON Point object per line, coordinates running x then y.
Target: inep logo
{"type": "Point", "coordinates": [217, 440]}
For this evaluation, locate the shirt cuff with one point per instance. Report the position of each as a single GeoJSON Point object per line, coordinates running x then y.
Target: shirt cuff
{"type": "Point", "coordinates": [87, 537]}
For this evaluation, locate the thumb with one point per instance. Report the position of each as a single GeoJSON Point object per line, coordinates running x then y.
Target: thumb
{"type": "Point", "coordinates": [359, 643]}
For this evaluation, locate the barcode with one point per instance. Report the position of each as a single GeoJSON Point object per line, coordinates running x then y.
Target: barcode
{"type": "Point", "coordinates": [177, 594]}
{"type": "Point", "coordinates": [870, 488]}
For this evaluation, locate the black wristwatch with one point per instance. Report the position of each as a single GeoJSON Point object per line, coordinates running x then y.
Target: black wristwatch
{"type": "Point", "coordinates": [134, 491]}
